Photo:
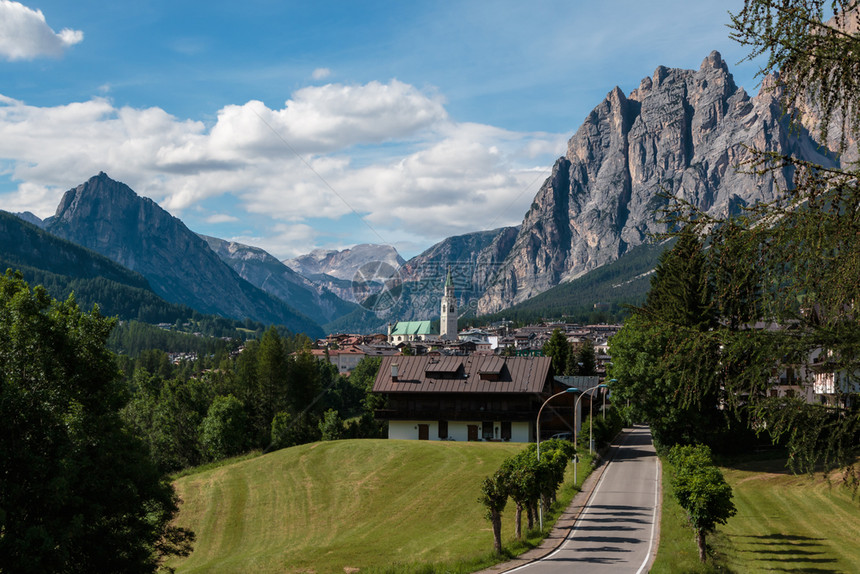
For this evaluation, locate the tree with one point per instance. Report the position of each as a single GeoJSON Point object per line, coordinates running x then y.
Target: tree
{"type": "Point", "coordinates": [79, 492]}
{"type": "Point", "coordinates": [803, 246]}
{"type": "Point", "coordinates": [331, 426]}
{"type": "Point", "coordinates": [523, 485]}
{"type": "Point", "coordinates": [701, 490]}
{"type": "Point", "coordinates": [494, 496]}
{"type": "Point", "coordinates": [680, 291]}
{"type": "Point", "coordinates": [665, 363]}
{"type": "Point", "coordinates": [559, 350]}
{"type": "Point", "coordinates": [816, 55]}
{"type": "Point", "coordinates": [585, 359]}
{"type": "Point", "coordinates": [271, 382]}
{"type": "Point", "coordinates": [224, 431]}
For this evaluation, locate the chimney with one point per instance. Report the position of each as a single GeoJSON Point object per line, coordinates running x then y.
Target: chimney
{"type": "Point", "coordinates": [394, 369]}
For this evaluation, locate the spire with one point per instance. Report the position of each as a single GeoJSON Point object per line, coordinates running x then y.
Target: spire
{"type": "Point", "coordinates": [449, 282]}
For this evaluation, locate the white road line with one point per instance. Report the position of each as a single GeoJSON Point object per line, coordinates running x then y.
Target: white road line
{"type": "Point", "coordinates": [653, 518]}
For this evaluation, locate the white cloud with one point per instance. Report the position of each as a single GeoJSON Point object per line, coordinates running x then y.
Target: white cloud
{"type": "Point", "coordinates": [388, 151]}
{"type": "Point", "coordinates": [25, 35]}
{"type": "Point", "coordinates": [283, 240]}
{"type": "Point", "coordinates": [321, 73]}
{"type": "Point", "coordinates": [221, 218]}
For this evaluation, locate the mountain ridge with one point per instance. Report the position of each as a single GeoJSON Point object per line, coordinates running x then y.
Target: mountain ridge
{"type": "Point", "coordinates": [110, 218]}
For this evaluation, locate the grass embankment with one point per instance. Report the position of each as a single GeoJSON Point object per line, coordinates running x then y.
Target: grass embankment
{"type": "Point", "coordinates": [377, 505]}
{"type": "Point", "coordinates": [784, 523]}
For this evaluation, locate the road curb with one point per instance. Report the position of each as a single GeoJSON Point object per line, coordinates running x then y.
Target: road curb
{"type": "Point", "coordinates": [567, 519]}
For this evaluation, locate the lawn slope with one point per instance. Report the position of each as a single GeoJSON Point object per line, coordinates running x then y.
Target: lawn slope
{"type": "Point", "coordinates": [327, 506]}
{"type": "Point", "coordinates": [785, 523]}
{"type": "Point", "coordinates": [791, 523]}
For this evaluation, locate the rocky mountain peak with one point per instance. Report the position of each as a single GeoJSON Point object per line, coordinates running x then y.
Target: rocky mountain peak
{"type": "Point", "coordinates": [681, 132]}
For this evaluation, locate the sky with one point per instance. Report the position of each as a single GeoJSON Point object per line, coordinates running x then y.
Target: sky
{"type": "Point", "coordinates": [293, 126]}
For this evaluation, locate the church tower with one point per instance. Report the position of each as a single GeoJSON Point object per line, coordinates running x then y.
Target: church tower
{"type": "Point", "coordinates": [448, 322]}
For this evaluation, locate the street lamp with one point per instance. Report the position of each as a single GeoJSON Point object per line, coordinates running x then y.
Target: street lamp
{"type": "Point", "coordinates": [590, 422]}
{"type": "Point", "coordinates": [568, 390]}
{"type": "Point", "coordinates": [604, 398]}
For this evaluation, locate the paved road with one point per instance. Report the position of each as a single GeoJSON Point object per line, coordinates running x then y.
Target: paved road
{"type": "Point", "coordinates": [616, 531]}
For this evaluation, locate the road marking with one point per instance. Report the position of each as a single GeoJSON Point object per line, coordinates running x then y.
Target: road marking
{"type": "Point", "coordinates": [654, 517]}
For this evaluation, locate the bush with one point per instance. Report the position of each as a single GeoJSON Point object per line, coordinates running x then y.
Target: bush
{"type": "Point", "coordinates": [604, 429]}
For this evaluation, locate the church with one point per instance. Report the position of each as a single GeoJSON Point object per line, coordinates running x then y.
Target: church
{"type": "Point", "coordinates": [408, 331]}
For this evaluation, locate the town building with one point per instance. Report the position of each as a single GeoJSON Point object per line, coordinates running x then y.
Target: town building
{"type": "Point", "coordinates": [475, 397]}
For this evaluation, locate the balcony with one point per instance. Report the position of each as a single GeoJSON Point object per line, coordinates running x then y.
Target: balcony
{"type": "Point", "coordinates": [454, 415]}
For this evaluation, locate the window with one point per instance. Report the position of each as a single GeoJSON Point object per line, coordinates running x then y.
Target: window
{"type": "Point", "coordinates": [506, 430]}
{"type": "Point", "coordinates": [443, 429]}
{"type": "Point", "coordinates": [487, 430]}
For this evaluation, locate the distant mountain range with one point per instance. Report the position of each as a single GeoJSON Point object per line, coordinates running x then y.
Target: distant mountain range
{"type": "Point", "coordinates": [681, 132]}
{"type": "Point", "coordinates": [267, 273]}
{"type": "Point", "coordinates": [346, 263]}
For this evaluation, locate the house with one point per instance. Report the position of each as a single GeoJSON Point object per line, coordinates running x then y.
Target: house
{"type": "Point", "coordinates": [476, 397]}
{"type": "Point", "coordinates": [345, 359]}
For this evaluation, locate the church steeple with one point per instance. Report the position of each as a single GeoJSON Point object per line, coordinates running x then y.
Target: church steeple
{"type": "Point", "coordinates": [448, 321]}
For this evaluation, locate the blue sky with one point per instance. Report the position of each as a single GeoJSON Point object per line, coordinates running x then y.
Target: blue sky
{"type": "Point", "coordinates": [298, 125]}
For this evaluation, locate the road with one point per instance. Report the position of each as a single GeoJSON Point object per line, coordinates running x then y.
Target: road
{"type": "Point", "coordinates": [616, 531]}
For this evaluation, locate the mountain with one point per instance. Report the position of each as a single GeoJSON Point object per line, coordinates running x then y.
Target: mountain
{"type": "Point", "coordinates": [682, 132]}
{"type": "Point", "coordinates": [266, 272]}
{"type": "Point", "coordinates": [25, 244]}
{"type": "Point", "coordinates": [110, 218]}
{"type": "Point", "coordinates": [343, 264]}
{"type": "Point", "coordinates": [30, 217]}
{"type": "Point", "coordinates": [63, 267]}
{"type": "Point", "coordinates": [472, 258]}
{"type": "Point", "coordinates": [414, 291]}
{"type": "Point", "coordinates": [611, 287]}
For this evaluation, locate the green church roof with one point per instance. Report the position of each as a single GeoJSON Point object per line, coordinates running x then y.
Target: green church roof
{"type": "Point", "coordinates": [412, 328]}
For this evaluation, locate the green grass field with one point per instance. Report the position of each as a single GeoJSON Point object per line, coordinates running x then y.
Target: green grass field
{"type": "Point", "coordinates": [785, 523]}
{"type": "Point", "coordinates": [326, 507]}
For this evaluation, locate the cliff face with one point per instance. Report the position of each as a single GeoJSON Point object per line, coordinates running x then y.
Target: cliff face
{"type": "Point", "coordinates": [682, 132]}
{"type": "Point", "coordinates": [473, 259]}
{"type": "Point", "coordinates": [110, 218]}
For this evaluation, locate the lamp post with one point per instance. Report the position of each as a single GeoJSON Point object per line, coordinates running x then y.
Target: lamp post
{"type": "Point", "coordinates": [590, 423]}
{"type": "Point", "coordinates": [604, 398]}
{"type": "Point", "coordinates": [565, 391]}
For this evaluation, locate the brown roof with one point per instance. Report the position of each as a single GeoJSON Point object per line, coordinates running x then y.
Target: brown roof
{"type": "Point", "coordinates": [463, 375]}
{"type": "Point", "coordinates": [493, 365]}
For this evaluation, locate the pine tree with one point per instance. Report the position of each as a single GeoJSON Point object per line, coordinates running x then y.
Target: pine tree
{"type": "Point", "coordinates": [559, 350]}
{"type": "Point", "coordinates": [680, 288]}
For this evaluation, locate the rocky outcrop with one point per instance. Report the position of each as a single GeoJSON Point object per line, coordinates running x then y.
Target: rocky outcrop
{"type": "Point", "coordinates": [110, 218]}
{"type": "Point", "coordinates": [265, 271]}
{"type": "Point", "coordinates": [682, 132]}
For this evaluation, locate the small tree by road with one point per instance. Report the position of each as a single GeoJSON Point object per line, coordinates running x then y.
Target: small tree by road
{"type": "Point", "coordinates": [494, 495]}
{"type": "Point", "coordinates": [701, 490]}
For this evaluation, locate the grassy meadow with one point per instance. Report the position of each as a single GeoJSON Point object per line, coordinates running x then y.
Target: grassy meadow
{"type": "Point", "coordinates": [785, 523]}
{"type": "Point", "coordinates": [343, 505]}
